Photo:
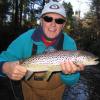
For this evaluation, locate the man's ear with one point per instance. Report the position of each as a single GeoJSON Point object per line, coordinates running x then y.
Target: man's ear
{"type": "Point", "coordinates": [41, 21]}
{"type": "Point", "coordinates": [64, 25]}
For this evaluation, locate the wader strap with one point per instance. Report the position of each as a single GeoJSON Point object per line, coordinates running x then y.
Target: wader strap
{"type": "Point", "coordinates": [16, 87]}
{"type": "Point", "coordinates": [34, 49]}
{"type": "Point", "coordinates": [59, 46]}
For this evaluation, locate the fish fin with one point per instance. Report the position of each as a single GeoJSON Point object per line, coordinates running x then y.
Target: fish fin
{"type": "Point", "coordinates": [28, 75]}
{"type": "Point", "coordinates": [47, 75]}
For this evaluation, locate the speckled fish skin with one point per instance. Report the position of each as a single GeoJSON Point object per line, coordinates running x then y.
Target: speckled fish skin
{"type": "Point", "coordinates": [50, 61]}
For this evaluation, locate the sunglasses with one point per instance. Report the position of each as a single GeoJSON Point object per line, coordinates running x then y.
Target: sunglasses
{"type": "Point", "coordinates": [50, 19]}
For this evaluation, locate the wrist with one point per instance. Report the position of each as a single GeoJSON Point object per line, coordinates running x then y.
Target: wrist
{"type": "Point", "coordinates": [5, 67]}
{"type": "Point", "coordinates": [1, 67]}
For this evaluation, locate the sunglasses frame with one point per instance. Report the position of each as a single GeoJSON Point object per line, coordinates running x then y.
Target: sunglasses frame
{"type": "Point", "coordinates": [50, 19]}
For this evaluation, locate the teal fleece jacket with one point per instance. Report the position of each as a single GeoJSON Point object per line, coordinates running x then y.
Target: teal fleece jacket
{"type": "Point", "coordinates": [21, 48]}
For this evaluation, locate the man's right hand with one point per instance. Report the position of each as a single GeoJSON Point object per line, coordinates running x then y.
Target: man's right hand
{"type": "Point", "coordinates": [14, 70]}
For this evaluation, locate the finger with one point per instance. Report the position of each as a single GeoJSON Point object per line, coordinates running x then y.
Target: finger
{"type": "Point", "coordinates": [20, 70]}
{"type": "Point", "coordinates": [17, 73]}
{"type": "Point", "coordinates": [81, 67]}
{"type": "Point", "coordinates": [75, 68]}
{"type": "Point", "coordinates": [15, 77]}
{"type": "Point", "coordinates": [68, 67]}
{"type": "Point", "coordinates": [62, 66]}
{"type": "Point", "coordinates": [71, 67]}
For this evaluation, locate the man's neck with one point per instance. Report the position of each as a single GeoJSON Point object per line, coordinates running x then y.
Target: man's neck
{"type": "Point", "coordinates": [47, 41]}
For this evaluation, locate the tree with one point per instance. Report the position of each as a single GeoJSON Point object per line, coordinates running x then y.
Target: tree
{"type": "Point", "coordinates": [69, 13]}
{"type": "Point", "coordinates": [95, 8]}
{"type": "Point", "coordinates": [4, 7]}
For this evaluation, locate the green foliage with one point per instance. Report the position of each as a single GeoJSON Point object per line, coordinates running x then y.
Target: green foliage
{"type": "Point", "coordinates": [69, 12]}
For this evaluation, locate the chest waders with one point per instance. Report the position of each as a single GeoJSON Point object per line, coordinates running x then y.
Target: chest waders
{"type": "Point", "coordinates": [37, 89]}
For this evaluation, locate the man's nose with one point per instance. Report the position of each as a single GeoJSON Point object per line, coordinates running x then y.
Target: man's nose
{"type": "Point", "coordinates": [53, 23]}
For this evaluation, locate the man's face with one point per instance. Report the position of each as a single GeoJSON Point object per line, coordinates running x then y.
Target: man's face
{"type": "Point", "coordinates": [52, 24]}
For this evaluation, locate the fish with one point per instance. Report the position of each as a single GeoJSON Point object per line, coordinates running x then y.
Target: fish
{"type": "Point", "coordinates": [50, 61]}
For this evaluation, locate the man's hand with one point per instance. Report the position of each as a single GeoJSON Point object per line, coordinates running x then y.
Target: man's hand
{"type": "Point", "coordinates": [69, 67]}
{"type": "Point", "coordinates": [13, 70]}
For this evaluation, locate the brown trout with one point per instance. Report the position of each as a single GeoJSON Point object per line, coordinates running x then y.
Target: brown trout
{"type": "Point", "coordinates": [50, 61]}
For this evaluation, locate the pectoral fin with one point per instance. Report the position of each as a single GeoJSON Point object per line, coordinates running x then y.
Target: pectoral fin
{"type": "Point", "coordinates": [28, 75]}
{"type": "Point", "coordinates": [47, 75]}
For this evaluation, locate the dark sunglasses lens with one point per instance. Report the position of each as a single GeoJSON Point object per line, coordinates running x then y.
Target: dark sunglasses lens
{"type": "Point", "coordinates": [59, 21]}
{"type": "Point", "coordinates": [47, 19]}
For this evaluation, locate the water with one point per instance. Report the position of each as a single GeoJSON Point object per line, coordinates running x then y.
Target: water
{"type": "Point", "coordinates": [92, 76]}
{"type": "Point", "coordinates": [88, 87]}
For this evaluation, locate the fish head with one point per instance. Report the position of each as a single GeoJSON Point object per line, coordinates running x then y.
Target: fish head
{"type": "Point", "coordinates": [88, 58]}
{"type": "Point", "coordinates": [90, 61]}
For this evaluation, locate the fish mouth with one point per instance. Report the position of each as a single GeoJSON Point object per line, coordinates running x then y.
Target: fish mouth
{"type": "Point", "coordinates": [96, 60]}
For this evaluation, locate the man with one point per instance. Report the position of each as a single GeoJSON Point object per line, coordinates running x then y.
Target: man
{"type": "Point", "coordinates": [48, 35]}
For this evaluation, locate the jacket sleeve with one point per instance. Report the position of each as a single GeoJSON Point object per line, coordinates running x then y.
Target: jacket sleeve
{"type": "Point", "coordinates": [70, 79]}
{"type": "Point", "coordinates": [1, 64]}
{"type": "Point", "coordinates": [11, 54]}
{"type": "Point", "coordinates": [19, 49]}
